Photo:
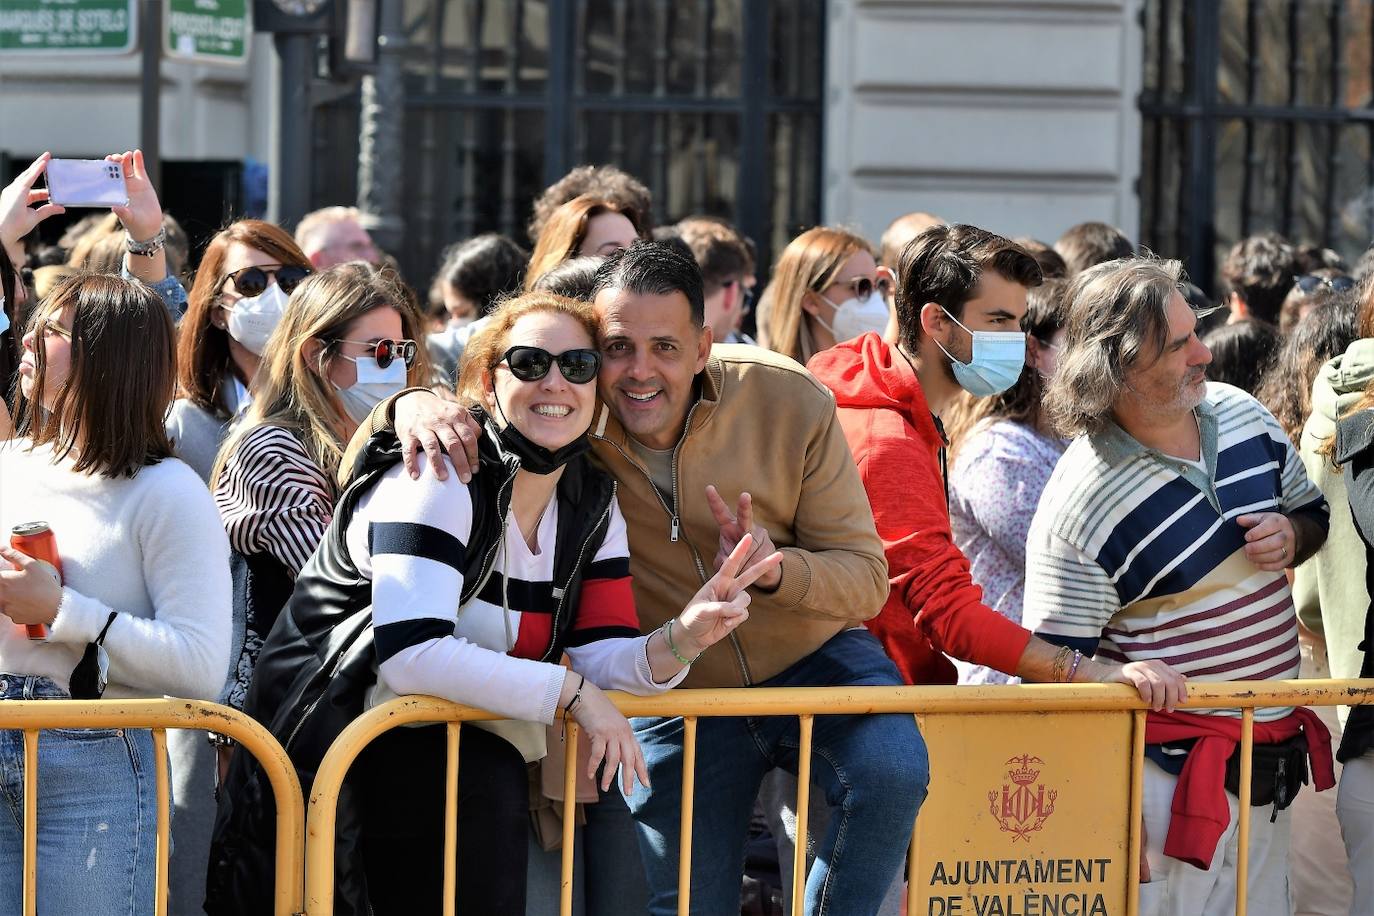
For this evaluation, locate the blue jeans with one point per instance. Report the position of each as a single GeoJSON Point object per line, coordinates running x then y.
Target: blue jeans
{"type": "Point", "coordinates": [873, 770]}
{"type": "Point", "coordinates": [97, 815]}
{"type": "Point", "coordinates": [608, 876]}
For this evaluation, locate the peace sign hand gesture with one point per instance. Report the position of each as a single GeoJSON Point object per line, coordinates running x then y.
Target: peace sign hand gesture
{"type": "Point", "coordinates": [723, 602]}
{"type": "Point", "coordinates": [733, 529]}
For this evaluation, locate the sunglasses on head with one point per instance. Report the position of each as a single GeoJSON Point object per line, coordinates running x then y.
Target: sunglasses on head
{"type": "Point", "coordinates": [252, 281]}
{"type": "Point", "coordinates": [530, 364]}
{"type": "Point", "coordinates": [863, 287]}
{"type": "Point", "coordinates": [1309, 283]}
{"type": "Point", "coordinates": [386, 351]}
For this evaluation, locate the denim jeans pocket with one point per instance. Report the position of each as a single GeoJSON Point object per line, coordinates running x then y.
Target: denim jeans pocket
{"type": "Point", "coordinates": [87, 734]}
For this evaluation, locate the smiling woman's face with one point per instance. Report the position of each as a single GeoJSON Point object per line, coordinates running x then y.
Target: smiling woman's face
{"type": "Point", "coordinates": [552, 411]}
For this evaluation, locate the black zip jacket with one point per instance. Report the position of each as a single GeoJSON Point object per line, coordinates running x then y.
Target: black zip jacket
{"type": "Point", "coordinates": [318, 662]}
{"type": "Point", "coordinates": [1355, 450]}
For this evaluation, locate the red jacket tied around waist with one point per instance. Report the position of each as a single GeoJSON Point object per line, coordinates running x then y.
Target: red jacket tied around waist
{"type": "Point", "coordinates": [1200, 813]}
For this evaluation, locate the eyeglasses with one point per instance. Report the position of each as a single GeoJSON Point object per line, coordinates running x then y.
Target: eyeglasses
{"type": "Point", "coordinates": [45, 325]}
{"type": "Point", "coordinates": [530, 364]}
{"type": "Point", "coordinates": [863, 287]}
{"type": "Point", "coordinates": [252, 281]}
{"type": "Point", "coordinates": [1309, 283]}
{"type": "Point", "coordinates": [386, 351]}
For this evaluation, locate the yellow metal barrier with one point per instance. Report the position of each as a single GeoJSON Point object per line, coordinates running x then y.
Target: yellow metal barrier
{"type": "Point", "coordinates": [805, 703]}
{"type": "Point", "coordinates": [32, 716]}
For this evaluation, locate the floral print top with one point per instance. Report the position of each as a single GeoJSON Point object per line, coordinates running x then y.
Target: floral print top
{"type": "Point", "coordinates": [998, 476]}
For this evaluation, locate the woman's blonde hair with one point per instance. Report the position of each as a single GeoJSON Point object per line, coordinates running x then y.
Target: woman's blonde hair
{"type": "Point", "coordinates": [566, 230]}
{"type": "Point", "coordinates": [292, 388]}
{"type": "Point", "coordinates": [809, 264]}
{"type": "Point", "coordinates": [487, 347]}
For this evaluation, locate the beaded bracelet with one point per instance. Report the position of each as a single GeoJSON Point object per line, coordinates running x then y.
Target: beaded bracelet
{"type": "Point", "coordinates": [149, 248]}
{"type": "Point", "coordinates": [1077, 657]}
{"type": "Point", "coordinates": [668, 637]}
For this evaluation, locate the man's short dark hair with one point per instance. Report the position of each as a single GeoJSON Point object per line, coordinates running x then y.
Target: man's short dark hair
{"type": "Point", "coordinates": [604, 182]}
{"type": "Point", "coordinates": [1089, 244]}
{"type": "Point", "coordinates": [944, 264]}
{"type": "Point", "coordinates": [656, 269]}
{"type": "Point", "coordinates": [720, 250]}
{"type": "Point", "coordinates": [1261, 269]}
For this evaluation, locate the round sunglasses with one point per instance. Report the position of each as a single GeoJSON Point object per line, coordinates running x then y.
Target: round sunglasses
{"type": "Point", "coordinates": [530, 364]}
{"type": "Point", "coordinates": [863, 287]}
{"type": "Point", "coordinates": [386, 351]}
{"type": "Point", "coordinates": [1309, 283]}
{"type": "Point", "coordinates": [252, 281]}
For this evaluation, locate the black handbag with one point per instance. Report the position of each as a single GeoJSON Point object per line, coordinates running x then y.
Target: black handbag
{"type": "Point", "coordinates": [1277, 773]}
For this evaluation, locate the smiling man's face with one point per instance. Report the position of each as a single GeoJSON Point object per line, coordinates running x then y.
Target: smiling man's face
{"type": "Point", "coordinates": [651, 352]}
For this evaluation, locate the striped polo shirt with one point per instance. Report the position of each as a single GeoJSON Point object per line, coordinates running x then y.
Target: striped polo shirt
{"type": "Point", "coordinates": [1135, 555]}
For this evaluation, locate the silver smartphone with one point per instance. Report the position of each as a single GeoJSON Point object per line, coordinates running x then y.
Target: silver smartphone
{"type": "Point", "coordinates": [86, 183]}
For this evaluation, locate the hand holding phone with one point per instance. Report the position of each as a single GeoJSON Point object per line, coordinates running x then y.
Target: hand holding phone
{"type": "Point", "coordinates": [22, 206]}
{"type": "Point", "coordinates": [86, 183]}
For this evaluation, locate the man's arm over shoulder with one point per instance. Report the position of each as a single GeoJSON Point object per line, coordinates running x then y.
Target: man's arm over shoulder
{"type": "Point", "coordinates": [925, 568]}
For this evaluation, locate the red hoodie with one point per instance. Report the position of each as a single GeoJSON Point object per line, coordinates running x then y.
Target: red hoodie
{"type": "Point", "coordinates": [933, 606]}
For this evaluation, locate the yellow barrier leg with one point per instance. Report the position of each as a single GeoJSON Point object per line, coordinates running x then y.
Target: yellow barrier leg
{"type": "Point", "coordinates": [1247, 747]}
{"type": "Point", "coordinates": [164, 819]}
{"type": "Point", "coordinates": [451, 819]}
{"type": "Point", "coordinates": [30, 822]}
{"type": "Point", "coordinates": [803, 808]}
{"type": "Point", "coordinates": [689, 785]}
{"type": "Point", "coordinates": [565, 887]}
{"type": "Point", "coordinates": [1135, 848]}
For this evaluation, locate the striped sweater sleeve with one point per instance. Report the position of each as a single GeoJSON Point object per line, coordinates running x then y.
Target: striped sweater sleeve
{"type": "Point", "coordinates": [1069, 597]}
{"type": "Point", "coordinates": [417, 535]}
{"type": "Point", "coordinates": [273, 499]}
{"type": "Point", "coordinates": [605, 644]}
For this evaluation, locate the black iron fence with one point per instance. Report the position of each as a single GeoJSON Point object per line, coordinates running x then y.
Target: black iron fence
{"type": "Point", "coordinates": [714, 104]}
{"type": "Point", "coordinates": [1257, 115]}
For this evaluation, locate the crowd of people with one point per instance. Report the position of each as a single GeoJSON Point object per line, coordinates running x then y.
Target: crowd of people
{"type": "Point", "coordinates": [285, 482]}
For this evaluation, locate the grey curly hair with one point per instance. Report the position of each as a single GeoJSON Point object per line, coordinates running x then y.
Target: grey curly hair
{"type": "Point", "coordinates": [1117, 316]}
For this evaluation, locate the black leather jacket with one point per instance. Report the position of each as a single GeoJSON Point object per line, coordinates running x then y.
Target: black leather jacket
{"type": "Point", "coordinates": [319, 661]}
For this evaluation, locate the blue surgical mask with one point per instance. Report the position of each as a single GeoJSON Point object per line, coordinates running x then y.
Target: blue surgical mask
{"type": "Point", "coordinates": [996, 364]}
{"type": "Point", "coordinates": [4, 317]}
{"type": "Point", "coordinates": [373, 386]}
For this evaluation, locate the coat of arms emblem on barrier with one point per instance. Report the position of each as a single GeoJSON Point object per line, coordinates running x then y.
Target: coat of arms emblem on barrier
{"type": "Point", "coordinates": [1022, 806]}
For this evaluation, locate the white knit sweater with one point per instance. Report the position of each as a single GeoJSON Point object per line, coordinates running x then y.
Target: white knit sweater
{"type": "Point", "coordinates": [151, 548]}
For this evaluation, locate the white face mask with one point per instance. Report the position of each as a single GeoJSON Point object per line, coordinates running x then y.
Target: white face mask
{"type": "Point", "coordinates": [373, 386]}
{"type": "Point", "coordinates": [252, 320]}
{"type": "Point", "coordinates": [856, 316]}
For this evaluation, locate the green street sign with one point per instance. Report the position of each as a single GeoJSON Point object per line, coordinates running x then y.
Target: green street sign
{"type": "Point", "coordinates": [68, 26]}
{"type": "Point", "coordinates": [216, 31]}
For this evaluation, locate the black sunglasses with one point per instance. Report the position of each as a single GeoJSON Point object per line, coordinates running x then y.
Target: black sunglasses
{"type": "Point", "coordinates": [386, 351]}
{"type": "Point", "coordinates": [252, 281]}
{"type": "Point", "coordinates": [1309, 283]}
{"type": "Point", "coordinates": [530, 364]}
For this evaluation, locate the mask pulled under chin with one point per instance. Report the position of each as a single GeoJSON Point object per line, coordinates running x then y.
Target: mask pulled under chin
{"type": "Point", "coordinates": [534, 457]}
{"type": "Point", "coordinates": [997, 360]}
{"type": "Point", "coordinates": [373, 386]}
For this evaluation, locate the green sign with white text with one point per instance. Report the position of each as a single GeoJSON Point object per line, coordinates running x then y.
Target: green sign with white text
{"type": "Point", "coordinates": [68, 26]}
{"type": "Point", "coordinates": [207, 30]}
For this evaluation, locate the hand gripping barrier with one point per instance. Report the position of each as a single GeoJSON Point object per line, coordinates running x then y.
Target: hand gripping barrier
{"type": "Point", "coordinates": [1040, 703]}
{"type": "Point", "coordinates": [32, 716]}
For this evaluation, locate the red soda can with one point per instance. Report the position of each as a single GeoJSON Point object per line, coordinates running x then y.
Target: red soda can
{"type": "Point", "coordinates": [35, 539]}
